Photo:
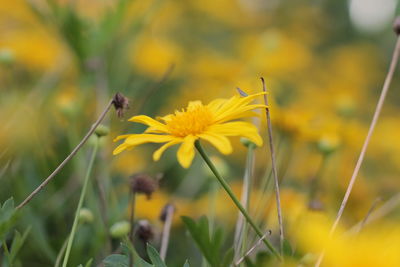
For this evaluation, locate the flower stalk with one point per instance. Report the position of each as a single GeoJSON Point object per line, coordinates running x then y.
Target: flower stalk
{"type": "Point", "coordinates": [274, 169]}
{"type": "Point", "coordinates": [166, 217]}
{"type": "Point", "coordinates": [72, 154]}
{"type": "Point", "coordinates": [80, 203]}
{"type": "Point", "coordinates": [241, 225]}
{"type": "Point", "coordinates": [388, 80]}
{"type": "Point", "coordinates": [229, 191]}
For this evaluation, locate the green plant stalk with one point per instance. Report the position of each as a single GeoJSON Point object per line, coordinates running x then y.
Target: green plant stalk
{"type": "Point", "coordinates": [7, 253]}
{"type": "Point", "coordinates": [61, 252]}
{"type": "Point", "coordinates": [80, 203]}
{"type": "Point", "coordinates": [228, 190]}
{"type": "Point", "coordinates": [249, 169]}
{"type": "Point", "coordinates": [315, 182]}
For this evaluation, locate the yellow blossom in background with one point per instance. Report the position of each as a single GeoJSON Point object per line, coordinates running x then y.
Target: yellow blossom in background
{"type": "Point", "coordinates": [153, 56]}
{"type": "Point", "coordinates": [373, 246]}
{"type": "Point", "coordinates": [212, 122]}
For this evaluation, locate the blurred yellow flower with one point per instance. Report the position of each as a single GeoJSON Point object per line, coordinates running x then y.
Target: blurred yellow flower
{"type": "Point", "coordinates": [373, 246]}
{"type": "Point", "coordinates": [212, 122]}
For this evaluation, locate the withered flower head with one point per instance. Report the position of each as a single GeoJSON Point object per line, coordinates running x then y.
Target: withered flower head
{"type": "Point", "coordinates": [144, 231]}
{"type": "Point", "coordinates": [396, 25]}
{"type": "Point", "coordinates": [120, 103]}
{"type": "Point", "coordinates": [169, 208]}
{"type": "Point", "coordinates": [143, 184]}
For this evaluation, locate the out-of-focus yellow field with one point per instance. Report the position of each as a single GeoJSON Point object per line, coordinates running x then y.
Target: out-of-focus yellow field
{"type": "Point", "coordinates": [324, 62]}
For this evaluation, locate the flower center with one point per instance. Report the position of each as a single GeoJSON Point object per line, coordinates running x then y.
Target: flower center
{"type": "Point", "coordinates": [194, 120]}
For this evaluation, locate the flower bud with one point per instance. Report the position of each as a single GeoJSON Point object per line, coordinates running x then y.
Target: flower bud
{"type": "Point", "coordinates": [6, 56]}
{"type": "Point", "coordinates": [345, 107]}
{"type": "Point", "coordinates": [308, 259]}
{"type": "Point", "coordinates": [246, 142]}
{"type": "Point", "coordinates": [85, 215]}
{"type": "Point", "coordinates": [144, 231]}
{"type": "Point", "coordinates": [120, 229]}
{"type": "Point", "coordinates": [328, 144]}
{"type": "Point", "coordinates": [102, 130]}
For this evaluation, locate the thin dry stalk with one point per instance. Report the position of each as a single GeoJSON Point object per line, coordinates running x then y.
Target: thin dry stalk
{"type": "Point", "coordinates": [69, 157]}
{"type": "Point", "coordinates": [274, 169]}
{"type": "Point", "coordinates": [371, 209]}
{"type": "Point", "coordinates": [378, 109]}
{"type": "Point", "coordinates": [382, 211]}
{"type": "Point", "coordinates": [252, 248]}
{"type": "Point", "coordinates": [169, 214]}
{"type": "Point", "coordinates": [241, 229]}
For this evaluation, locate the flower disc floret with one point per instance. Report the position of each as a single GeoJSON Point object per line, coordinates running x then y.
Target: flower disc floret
{"type": "Point", "coordinates": [193, 121]}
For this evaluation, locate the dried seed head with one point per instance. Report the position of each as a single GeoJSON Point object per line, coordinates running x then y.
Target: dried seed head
{"type": "Point", "coordinates": [169, 208]}
{"type": "Point", "coordinates": [121, 103]}
{"type": "Point", "coordinates": [143, 184]}
{"type": "Point", "coordinates": [144, 231]}
{"type": "Point", "coordinates": [316, 205]}
{"type": "Point", "coordinates": [396, 25]}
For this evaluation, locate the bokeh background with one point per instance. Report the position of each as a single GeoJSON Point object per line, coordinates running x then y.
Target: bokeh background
{"type": "Point", "coordinates": [62, 60]}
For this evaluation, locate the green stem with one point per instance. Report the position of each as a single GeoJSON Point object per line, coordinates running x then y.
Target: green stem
{"type": "Point", "coordinates": [82, 197]}
{"type": "Point", "coordinates": [7, 253]}
{"type": "Point", "coordinates": [248, 181]}
{"type": "Point", "coordinates": [61, 252]}
{"type": "Point", "coordinates": [228, 190]}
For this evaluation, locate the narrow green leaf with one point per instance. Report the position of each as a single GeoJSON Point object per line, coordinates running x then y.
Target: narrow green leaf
{"type": "Point", "coordinates": [155, 256]}
{"type": "Point", "coordinates": [8, 216]}
{"type": "Point", "coordinates": [287, 248]}
{"type": "Point", "coordinates": [228, 258]}
{"type": "Point", "coordinates": [89, 263]}
{"type": "Point", "coordinates": [17, 243]}
{"type": "Point", "coordinates": [200, 234]}
{"type": "Point", "coordinates": [249, 263]}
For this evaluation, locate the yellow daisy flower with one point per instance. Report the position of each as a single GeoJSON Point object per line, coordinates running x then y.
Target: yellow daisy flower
{"type": "Point", "coordinates": [213, 122]}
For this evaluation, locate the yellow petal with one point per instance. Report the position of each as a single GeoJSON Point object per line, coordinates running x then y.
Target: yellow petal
{"type": "Point", "coordinates": [138, 139]}
{"type": "Point", "coordinates": [216, 104]}
{"type": "Point", "coordinates": [238, 128]}
{"type": "Point", "coordinates": [119, 149]}
{"type": "Point", "coordinates": [240, 112]}
{"type": "Point", "coordinates": [234, 105]}
{"type": "Point", "coordinates": [121, 137]}
{"type": "Point", "coordinates": [186, 151]}
{"type": "Point", "coordinates": [157, 154]}
{"type": "Point", "coordinates": [219, 141]}
{"type": "Point", "coordinates": [152, 123]}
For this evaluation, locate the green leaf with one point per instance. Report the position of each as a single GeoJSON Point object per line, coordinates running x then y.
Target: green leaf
{"type": "Point", "coordinates": [138, 261]}
{"type": "Point", "coordinates": [155, 256]}
{"type": "Point", "coordinates": [8, 216]}
{"type": "Point", "coordinates": [210, 246]}
{"type": "Point", "coordinates": [287, 248]}
{"type": "Point", "coordinates": [17, 243]}
{"type": "Point", "coordinates": [228, 258]}
{"type": "Point", "coordinates": [89, 263]}
{"type": "Point", "coordinates": [249, 263]}
{"type": "Point", "coordinates": [116, 260]}
{"type": "Point", "coordinates": [200, 234]}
